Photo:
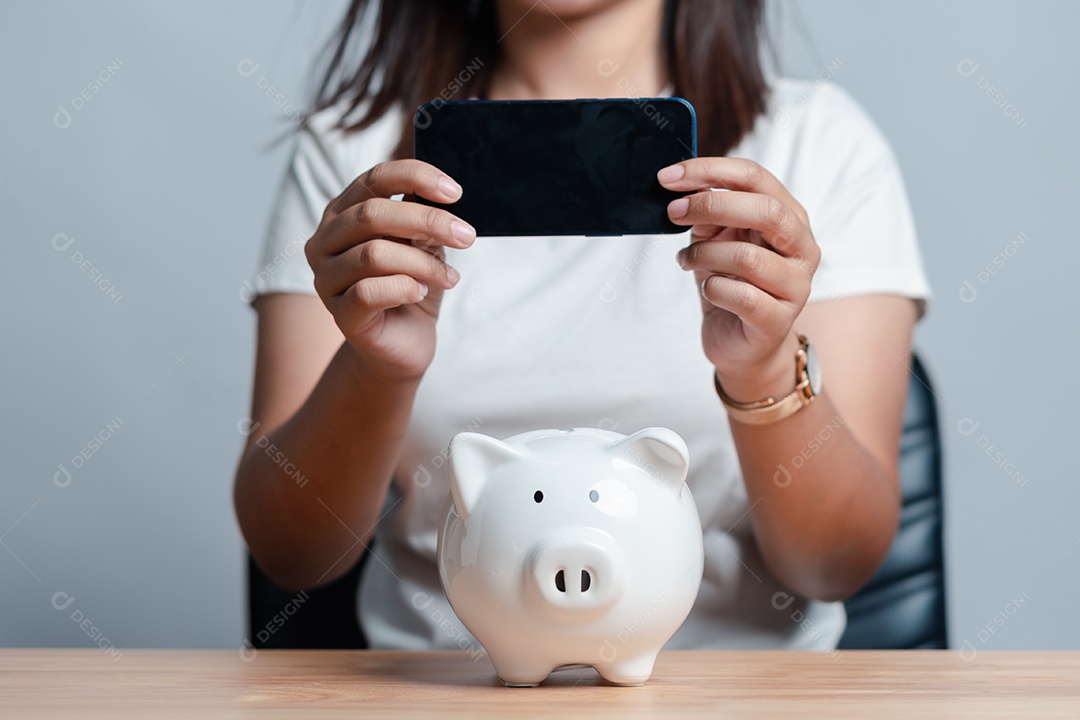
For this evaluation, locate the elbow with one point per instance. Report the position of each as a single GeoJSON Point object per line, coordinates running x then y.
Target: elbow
{"type": "Point", "coordinates": [288, 551]}
{"type": "Point", "coordinates": [841, 573]}
{"type": "Point", "coordinates": [278, 563]}
{"type": "Point", "coordinates": [835, 589]}
{"type": "Point", "coordinates": [833, 578]}
{"type": "Point", "coordinates": [267, 547]}
{"type": "Point", "coordinates": [284, 577]}
{"type": "Point", "coordinates": [835, 567]}
{"type": "Point", "coordinates": [838, 563]}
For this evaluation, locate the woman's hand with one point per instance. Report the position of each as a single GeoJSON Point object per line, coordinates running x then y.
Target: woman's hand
{"type": "Point", "coordinates": [753, 254]}
{"type": "Point", "coordinates": [379, 265]}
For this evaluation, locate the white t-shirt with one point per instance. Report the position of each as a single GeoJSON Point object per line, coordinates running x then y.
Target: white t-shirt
{"type": "Point", "coordinates": [560, 332]}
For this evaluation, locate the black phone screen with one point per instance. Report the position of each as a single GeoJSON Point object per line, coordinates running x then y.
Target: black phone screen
{"type": "Point", "coordinates": [558, 167]}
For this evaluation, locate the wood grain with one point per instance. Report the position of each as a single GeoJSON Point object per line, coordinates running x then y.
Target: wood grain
{"type": "Point", "coordinates": [329, 683]}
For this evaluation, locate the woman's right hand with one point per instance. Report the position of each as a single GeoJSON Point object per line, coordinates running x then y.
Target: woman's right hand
{"type": "Point", "coordinates": [379, 266]}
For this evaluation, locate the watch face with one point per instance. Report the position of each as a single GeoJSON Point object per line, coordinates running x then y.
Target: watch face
{"type": "Point", "coordinates": [813, 369]}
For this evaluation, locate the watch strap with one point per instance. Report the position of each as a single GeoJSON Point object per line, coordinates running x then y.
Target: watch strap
{"type": "Point", "coordinates": [770, 410]}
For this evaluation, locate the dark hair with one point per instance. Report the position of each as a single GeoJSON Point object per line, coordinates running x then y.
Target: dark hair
{"type": "Point", "coordinates": [421, 50]}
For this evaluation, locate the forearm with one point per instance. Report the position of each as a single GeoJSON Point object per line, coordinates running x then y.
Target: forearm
{"type": "Point", "coordinates": [307, 508]}
{"type": "Point", "coordinates": [824, 528]}
{"type": "Point", "coordinates": [824, 511]}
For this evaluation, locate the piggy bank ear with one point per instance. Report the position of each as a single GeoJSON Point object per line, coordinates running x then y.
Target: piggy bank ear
{"type": "Point", "coordinates": [473, 459]}
{"type": "Point", "coordinates": [660, 452]}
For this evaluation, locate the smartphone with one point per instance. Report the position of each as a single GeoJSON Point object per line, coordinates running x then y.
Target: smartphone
{"type": "Point", "coordinates": [558, 167]}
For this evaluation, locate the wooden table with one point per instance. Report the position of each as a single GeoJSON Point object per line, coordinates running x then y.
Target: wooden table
{"type": "Point", "coordinates": [91, 683]}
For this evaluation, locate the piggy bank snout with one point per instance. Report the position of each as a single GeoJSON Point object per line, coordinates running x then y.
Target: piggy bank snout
{"type": "Point", "coordinates": [577, 575]}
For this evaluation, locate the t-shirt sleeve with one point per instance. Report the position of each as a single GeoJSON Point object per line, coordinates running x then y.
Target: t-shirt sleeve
{"type": "Point", "coordinates": [850, 183]}
{"type": "Point", "coordinates": [314, 177]}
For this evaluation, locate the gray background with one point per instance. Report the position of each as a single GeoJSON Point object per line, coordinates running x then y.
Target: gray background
{"type": "Point", "coordinates": [161, 183]}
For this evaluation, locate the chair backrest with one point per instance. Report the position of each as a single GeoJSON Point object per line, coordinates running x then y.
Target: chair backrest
{"type": "Point", "coordinates": [322, 618]}
{"type": "Point", "coordinates": [903, 605]}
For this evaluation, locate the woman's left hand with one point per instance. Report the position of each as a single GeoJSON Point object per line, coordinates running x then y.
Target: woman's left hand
{"type": "Point", "coordinates": [753, 254]}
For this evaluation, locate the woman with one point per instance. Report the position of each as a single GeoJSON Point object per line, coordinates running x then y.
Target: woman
{"type": "Point", "coordinates": [799, 499]}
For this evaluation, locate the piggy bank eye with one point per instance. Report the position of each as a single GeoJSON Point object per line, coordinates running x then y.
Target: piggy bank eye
{"type": "Point", "coordinates": [538, 496]}
{"type": "Point", "coordinates": [614, 498]}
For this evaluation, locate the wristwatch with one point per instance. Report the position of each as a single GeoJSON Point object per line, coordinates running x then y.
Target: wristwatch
{"type": "Point", "coordinates": [770, 410]}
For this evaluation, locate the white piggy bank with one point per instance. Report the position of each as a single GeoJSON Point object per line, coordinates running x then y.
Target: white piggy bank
{"type": "Point", "coordinates": [571, 548]}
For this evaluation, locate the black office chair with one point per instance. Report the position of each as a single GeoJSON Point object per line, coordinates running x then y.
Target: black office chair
{"type": "Point", "coordinates": [323, 618]}
{"type": "Point", "coordinates": [902, 607]}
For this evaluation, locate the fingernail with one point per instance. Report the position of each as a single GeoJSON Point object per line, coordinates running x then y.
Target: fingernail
{"type": "Point", "coordinates": [463, 232]}
{"type": "Point", "coordinates": [449, 188]}
{"type": "Point", "coordinates": [423, 290]}
{"type": "Point", "coordinates": [677, 208]}
{"type": "Point", "coordinates": [671, 173]}
{"type": "Point", "coordinates": [680, 257]}
{"type": "Point", "coordinates": [453, 275]}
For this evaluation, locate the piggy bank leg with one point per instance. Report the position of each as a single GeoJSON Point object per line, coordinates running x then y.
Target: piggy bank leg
{"type": "Point", "coordinates": [628, 671]}
{"type": "Point", "coordinates": [519, 672]}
